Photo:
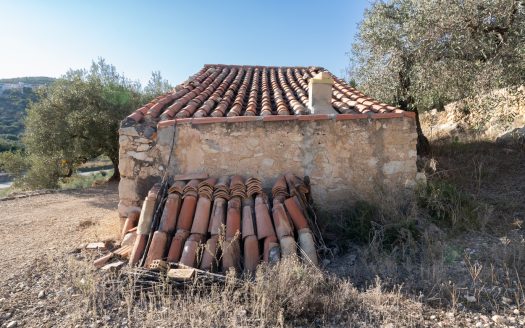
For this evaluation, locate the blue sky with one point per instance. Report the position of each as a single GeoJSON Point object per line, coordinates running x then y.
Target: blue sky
{"type": "Point", "coordinates": [46, 38]}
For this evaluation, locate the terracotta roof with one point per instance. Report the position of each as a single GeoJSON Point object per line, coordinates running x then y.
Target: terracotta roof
{"type": "Point", "coordinates": [234, 90]}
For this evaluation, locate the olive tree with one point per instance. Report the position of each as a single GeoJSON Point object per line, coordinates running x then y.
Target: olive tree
{"type": "Point", "coordinates": [76, 119]}
{"type": "Point", "coordinates": [156, 85]}
{"type": "Point", "coordinates": [423, 54]}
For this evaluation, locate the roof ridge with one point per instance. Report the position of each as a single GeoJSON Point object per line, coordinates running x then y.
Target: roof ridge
{"type": "Point", "coordinates": [264, 66]}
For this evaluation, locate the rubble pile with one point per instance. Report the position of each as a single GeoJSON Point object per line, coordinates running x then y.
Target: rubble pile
{"type": "Point", "coordinates": [216, 224]}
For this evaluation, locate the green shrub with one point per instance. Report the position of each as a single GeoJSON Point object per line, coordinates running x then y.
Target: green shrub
{"type": "Point", "coordinates": [9, 145]}
{"type": "Point", "coordinates": [14, 163]}
{"type": "Point", "coordinates": [83, 181]}
{"type": "Point", "coordinates": [364, 222]}
{"type": "Point", "coordinates": [449, 207]}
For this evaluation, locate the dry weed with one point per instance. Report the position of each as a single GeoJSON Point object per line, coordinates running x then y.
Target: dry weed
{"type": "Point", "coordinates": [287, 294]}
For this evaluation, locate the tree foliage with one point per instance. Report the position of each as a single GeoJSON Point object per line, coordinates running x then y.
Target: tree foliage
{"type": "Point", "coordinates": [156, 85]}
{"type": "Point", "coordinates": [13, 162]}
{"type": "Point", "coordinates": [424, 54]}
{"type": "Point", "coordinates": [75, 120]}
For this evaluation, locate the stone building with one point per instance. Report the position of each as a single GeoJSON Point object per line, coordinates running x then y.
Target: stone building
{"type": "Point", "coordinates": [265, 121]}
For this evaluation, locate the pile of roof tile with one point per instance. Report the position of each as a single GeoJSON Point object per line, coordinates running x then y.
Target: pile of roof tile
{"type": "Point", "coordinates": [218, 224]}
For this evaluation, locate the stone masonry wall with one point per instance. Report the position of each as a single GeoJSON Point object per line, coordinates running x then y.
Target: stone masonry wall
{"type": "Point", "coordinates": [346, 160]}
{"type": "Point", "coordinates": [139, 165]}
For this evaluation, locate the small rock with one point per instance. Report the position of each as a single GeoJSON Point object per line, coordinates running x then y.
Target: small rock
{"type": "Point", "coordinates": [497, 318]}
{"type": "Point", "coordinates": [432, 317]}
{"type": "Point", "coordinates": [506, 300]}
{"type": "Point", "coordinates": [42, 294]}
{"type": "Point", "coordinates": [516, 311]}
{"type": "Point", "coordinates": [479, 324]}
{"type": "Point", "coordinates": [12, 324]}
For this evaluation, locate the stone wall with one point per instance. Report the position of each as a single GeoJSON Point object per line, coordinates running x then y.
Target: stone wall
{"type": "Point", "coordinates": [347, 159]}
{"type": "Point", "coordinates": [139, 164]}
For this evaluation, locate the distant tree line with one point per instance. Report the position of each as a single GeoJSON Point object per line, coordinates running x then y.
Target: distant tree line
{"type": "Point", "coordinates": [76, 119]}
{"type": "Point", "coordinates": [424, 54]}
{"type": "Point", "coordinates": [33, 80]}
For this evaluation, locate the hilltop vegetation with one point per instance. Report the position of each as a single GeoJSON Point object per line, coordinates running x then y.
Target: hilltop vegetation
{"type": "Point", "coordinates": [13, 105]}
{"type": "Point", "coordinates": [34, 80]}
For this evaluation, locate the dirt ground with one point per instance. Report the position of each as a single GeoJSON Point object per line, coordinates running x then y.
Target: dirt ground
{"type": "Point", "coordinates": [39, 238]}
{"type": "Point", "coordinates": [40, 226]}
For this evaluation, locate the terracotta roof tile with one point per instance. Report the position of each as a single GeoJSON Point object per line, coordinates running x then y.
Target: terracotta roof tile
{"type": "Point", "coordinates": [235, 91]}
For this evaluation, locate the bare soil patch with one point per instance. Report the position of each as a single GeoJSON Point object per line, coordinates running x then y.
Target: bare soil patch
{"type": "Point", "coordinates": [37, 227]}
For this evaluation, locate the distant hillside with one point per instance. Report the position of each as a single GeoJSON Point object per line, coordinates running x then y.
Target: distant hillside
{"type": "Point", "coordinates": [15, 95]}
{"type": "Point", "coordinates": [37, 80]}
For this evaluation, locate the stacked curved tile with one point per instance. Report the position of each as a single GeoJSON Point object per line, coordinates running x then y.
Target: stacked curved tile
{"type": "Point", "coordinates": [185, 220]}
{"type": "Point", "coordinates": [281, 221]}
{"type": "Point", "coordinates": [295, 208]}
{"type": "Point", "coordinates": [144, 225]}
{"type": "Point", "coordinates": [231, 247]}
{"type": "Point", "coordinates": [221, 195]}
{"type": "Point", "coordinates": [249, 235]}
{"type": "Point", "coordinates": [161, 239]}
{"type": "Point", "coordinates": [129, 231]}
{"type": "Point", "coordinates": [127, 240]}
{"type": "Point", "coordinates": [265, 230]}
{"type": "Point", "coordinates": [194, 210]}
{"type": "Point", "coordinates": [199, 229]}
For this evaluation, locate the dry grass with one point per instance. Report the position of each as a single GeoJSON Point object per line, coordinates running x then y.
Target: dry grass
{"type": "Point", "coordinates": [466, 257]}
{"type": "Point", "coordinates": [288, 294]}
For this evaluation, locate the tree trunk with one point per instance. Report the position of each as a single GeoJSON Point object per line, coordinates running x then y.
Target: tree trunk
{"type": "Point", "coordinates": [116, 173]}
{"type": "Point", "coordinates": [407, 102]}
{"type": "Point", "coordinates": [423, 145]}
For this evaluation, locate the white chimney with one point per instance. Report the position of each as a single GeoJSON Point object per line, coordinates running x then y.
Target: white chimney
{"type": "Point", "coordinates": [320, 94]}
